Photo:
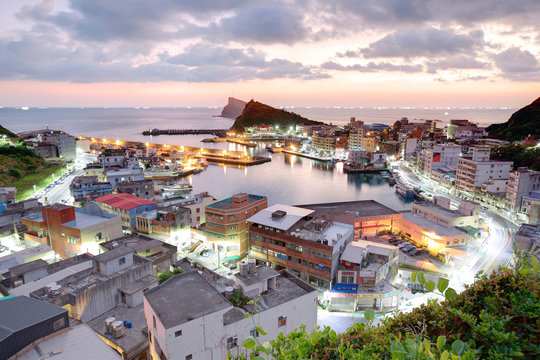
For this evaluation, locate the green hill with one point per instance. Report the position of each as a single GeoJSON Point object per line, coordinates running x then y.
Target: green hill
{"type": "Point", "coordinates": [256, 113]}
{"type": "Point", "coordinates": [4, 131]}
{"type": "Point", "coordinates": [524, 122]}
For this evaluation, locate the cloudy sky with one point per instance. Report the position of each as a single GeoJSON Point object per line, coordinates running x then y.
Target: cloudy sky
{"type": "Point", "coordinates": [283, 52]}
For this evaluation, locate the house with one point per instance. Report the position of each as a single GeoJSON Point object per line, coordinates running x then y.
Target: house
{"type": "Point", "coordinates": [126, 206]}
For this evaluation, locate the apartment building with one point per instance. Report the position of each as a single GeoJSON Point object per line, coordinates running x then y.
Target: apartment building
{"type": "Point", "coordinates": [356, 133]}
{"type": "Point", "coordinates": [440, 155]}
{"type": "Point", "coordinates": [165, 223]}
{"type": "Point", "coordinates": [478, 169]}
{"type": "Point", "coordinates": [95, 169]}
{"type": "Point", "coordinates": [324, 143]}
{"type": "Point", "coordinates": [117, 176]}
{"type": "Point", "coordinates": [140, 188]}
{"type": "Point", "coordinates": [85, 188]}
{"type": "Point", "coordinates": [196, 204]}
{"type": "Point", "coordinates": [520, 183]}
{"type": "Point", "coordinates": [126, 206]}
{"type": "Point", "coordinates": [71, 231]}
{"type": "Point", "coordinates": [439, 212]}
{"type": "Point", "coordinates": [298, 239]}
{"type": "Point", "coordinates": [369, 143]}
{"type": "Point", "coordinates": [191, 315]}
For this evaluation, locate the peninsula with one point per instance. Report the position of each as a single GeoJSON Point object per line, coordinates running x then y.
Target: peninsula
{"type": "Point", "coordinates": [234, 108]}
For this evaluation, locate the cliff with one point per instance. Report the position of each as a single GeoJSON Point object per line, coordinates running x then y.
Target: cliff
{"type": "Point", "coordinates": [4, 131]}
{"type": "Point", "coordinates": [524, 122]}
{"type": "Point", "coordinates": [233, 109]}
{"type": "Point", "coordinates": [256, 113]}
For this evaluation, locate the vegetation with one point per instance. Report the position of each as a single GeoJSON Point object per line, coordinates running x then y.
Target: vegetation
{"type": "Point", "coordinates": [497, 317]}
{"type": "Point", "coordinates": [4, 131]}
{"type": "Point", "coordinates": [519, 154]}
{"type": "Point", "coordinates": [256, 113]}
{"type": "Point", "coordinates": [40, 178]}
{"type": "Point", "coordinates": [166, 276]}
{"type": "Point", "coordinates": [239, 299]}
{"type": "Point", "coordinates": [522, 123]}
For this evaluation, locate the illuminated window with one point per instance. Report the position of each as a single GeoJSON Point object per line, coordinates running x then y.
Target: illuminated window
{"type": "Point", "coordinates": [282, 321]}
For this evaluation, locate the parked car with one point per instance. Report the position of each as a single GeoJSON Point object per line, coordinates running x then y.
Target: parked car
{"type": "Point", "coordinates": [403, 244]}
{"type": "Point", "coordinates": [414, 252]}
{"type": "Point", "coordinates": [399, 241]}
{"type": "Point", "coordinates": [410, 249]}
{"type": "Point", "coordinates": [3, 248]}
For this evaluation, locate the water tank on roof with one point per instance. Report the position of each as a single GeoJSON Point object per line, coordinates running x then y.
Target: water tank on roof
{"type": "Point", "coordinates": [117, 329]}
{"type": "Point", "coordinates": [251, 266]}
{"type": "Point", "coordinates": [228, 292]}
{"type": "Point", "coordinates": [243, 268]}
{"type": "Point", "coordinates": [108, 325]}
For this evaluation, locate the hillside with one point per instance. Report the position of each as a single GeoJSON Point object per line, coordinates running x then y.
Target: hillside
{"type": "Point", "coordinates": [4, 131]}
{"type": "Point", "coordinates": [256, 113]}
{"type": "Point", "coordinates": [524, 122]}
{"type": "Point", "coordinates": [234, 108]}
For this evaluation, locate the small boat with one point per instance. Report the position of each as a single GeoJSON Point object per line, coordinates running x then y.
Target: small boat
{"type": "Point", "coordinates": [405, 192]}
{"type": "Point", "coordinates": [385, 174]}
{"type": "Point", "coordinates": [178, 188]}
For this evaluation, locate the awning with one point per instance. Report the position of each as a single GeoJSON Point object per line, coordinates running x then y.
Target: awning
{"type": "Point", "coordinates": [470, 230]}
{"type": "Point", "coordinates": [229, 258]}
{"type": "Point", "coordinates": [345, 288]}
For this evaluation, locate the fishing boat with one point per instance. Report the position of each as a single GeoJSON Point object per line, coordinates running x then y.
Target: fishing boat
{"type": "Point", "coordinates": [385, 174]}
{"type": "Point", "coordinates": [405, 192]}
{"type": "Point", "coordinates": [178, 188]}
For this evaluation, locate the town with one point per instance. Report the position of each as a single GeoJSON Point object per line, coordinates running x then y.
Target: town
{"type": "Point", "coordinates": [115, 253]}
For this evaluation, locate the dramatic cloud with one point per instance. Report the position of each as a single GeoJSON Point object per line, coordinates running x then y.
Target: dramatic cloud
{"type": "Point", "coordinates": [424, 42]}
{"type": "Point", "coordinates": [518, 65]}
{"type": "Point", "coordinates": [456, 62]}
{"type": "Point", "coordinates": [373, 67]}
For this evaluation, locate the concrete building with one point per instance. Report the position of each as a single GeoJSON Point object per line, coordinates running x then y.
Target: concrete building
{"type": "Point", "coordinates": [24, 256]}
{"type": "Point", "coordinates": [95, 169]}
{"type": "Point", "coordinates": [520, 182]}
{"type": "Point", "coordinates": [323, 143]}
{"type": "Point", "coordinates": [11, 215]}
{"type": "Point", "coordinates": [226, 224]}
{"type": "Point", "coordinates": [474, 171]}
{"type": "Point", "coordinates": [8, 195]}
{"type": "Point", "coordinates": [117, 176]}
{"type": "Point", "coordinates": [126, 206]}
{"type": "Point", "coordinates": [440, 213]}
{"type": "Point", "coordinates": [364, 276]}
{"type": "Point", "coordinates": [444, 177]}
{"type": "Point", "coordinates": [71, 231]}
{"type": "Point", "coordinates": [170, 224]}
{"type": "Point", "coordinates": [369, 143]}
{"type": "Point", "coordinates": [190, 315]}
{"type": "Point", "coordinates": [440, 155]}
{"type": "Point", "coordinates": [140, 188]}
{"type": "Point", "coordinates": [107, 280]}
{"type": "Point", "coordinates": [86, 188]}
{"type": "Point", "coordinates": [409, 147]}
{"type": "Point", "coordinates": [300, 240]}
{"type": "Point", "coordinates": [196, 205]}
{"type": "Point", "coordinates": [356, 133]}
{"type": "Point", "coordinates": [162, 255]}
{"type": "Point", "coordinates": [527, 239]}
{"type": "Point", "coordinates": [530, 207]}
{"type": "Point", "coordinates": [24, 321]}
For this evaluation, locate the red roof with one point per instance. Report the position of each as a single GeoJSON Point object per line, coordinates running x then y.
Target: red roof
{"type": "Point", "coordinates": [124, 201]}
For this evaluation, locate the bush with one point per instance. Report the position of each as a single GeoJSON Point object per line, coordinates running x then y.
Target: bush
{"type": "Point", "coordinates": [166, 276]}
{"type": "Point", "coordinates": [15, 173]}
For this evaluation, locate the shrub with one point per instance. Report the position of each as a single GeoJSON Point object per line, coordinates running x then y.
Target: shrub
{"type": "Point", "coordinates": [15, 173]}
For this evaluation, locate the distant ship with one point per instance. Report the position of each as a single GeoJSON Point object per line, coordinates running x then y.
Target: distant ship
{"type": "Point", "coordinates": [25, 108]}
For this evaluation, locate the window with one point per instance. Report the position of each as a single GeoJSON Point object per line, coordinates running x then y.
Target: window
{"type": "Point", "coordinates": [295, 247]}
{"type": "Point", "coordinates": [73, 240]}
{"type": "Point", "coordinates": [154, 320]}
{"type": "Point", "coordinates": [122, 261]}
{"type": "Point", "coordinates": [59, 324]}
{"type": "Point", "coordinates": [233, 227]}
{"type": "Point", "coordinates": [233, 237]}
{"type": "Point", "coordinates": [232, 217]}
{"type": "Point", "coordinates": [178, 333]}
{"type": "Point", "coordinates": [253, 333]}
{"type": "Point", "coordinates": [282, 321]}
{"type": "Point", "coordinates": [198, 210]}
{"type": "Point", "coordinates": [232, 342]}
{"type": "Point", "coordinates": [189, 357]}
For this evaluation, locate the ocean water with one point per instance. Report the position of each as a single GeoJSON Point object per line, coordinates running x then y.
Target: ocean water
{"type": "Point", "coordinates": [286, 179]}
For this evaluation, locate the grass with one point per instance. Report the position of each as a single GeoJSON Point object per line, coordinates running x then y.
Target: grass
{"type": "Point", "coordinates": [41, 178]}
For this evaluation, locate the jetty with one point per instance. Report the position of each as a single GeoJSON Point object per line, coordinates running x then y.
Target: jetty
{"type": "Point", "coordinates": [215, 132]}
{"type": "Point", "coordinates": [309, 156]}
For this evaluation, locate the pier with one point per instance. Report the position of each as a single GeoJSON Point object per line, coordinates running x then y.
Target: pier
{"type": "Point", "coordinates": [215, 132]}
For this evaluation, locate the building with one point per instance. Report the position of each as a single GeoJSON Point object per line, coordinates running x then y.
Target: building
{"type": "Point", "coordinates": [107, 280]}
{"type": "Point", "coordinates": [170, 224]}
{"type": "Point", "coordinates": [192, 315]}
{"type": "Point", "coordinates": [126, 206]}
{"type": "Point", "coordinates": [459, 129]}
{"type": "Point", "coordinates": [369, 143]}
{"type": "Point", "coordinates": [86, 188]}
{"type": "Point", "coordinates": [117, 176]}
{"type": "Point", "coordinates": [140, 188]}
{"type": "Point", "coordinates": [51, 143]}
{"type": "Point", "coordinates": [409, 147]}
{"type": "Point", "coordinates": [440, 213]}
{"type": "Point", "coordinates": [300, 240]}
{"type": "Point", "coordinates": [527, 239]}
{"type": "Point", "coordinates": [444, 177]}
{"type": "Point", "coordinates": [530, 207]}
{"type": "Point", "coordinates": [11, 215]}
{"type": "Point", "coordinates": [440, 155]}
{"type": "Point", "coordinates": [474, 171]}
{"type": "Point", "coordinates": [226, 224]}
{"type": "Point", "coordinates": [8, 195]}
{"type": "Point", "coordinates": [24, 320]}
{"type": "Point", "coordinates": [162, 255]}
{"type": "Point", "coordinates": [324, 143]}
{"type": "Point", "coordinates": [364, 276]}
{"type": "Point", "coordinates": [95, 169]}
{"type": "Point", "coordinates": [356, 133]}
{"type": "Point", "coordinates": [24, 256]}
{"type": "Point", "coordinates": [196, 205]}
{"type": "Point", "coordinates": [368, 217]}
{"type": "Point", "coordinates": [71, 231]}
{"type": "Point", "coordinates": [521, 182]}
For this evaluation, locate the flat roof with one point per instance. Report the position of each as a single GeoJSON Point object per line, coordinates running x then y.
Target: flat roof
{"type": "Point", "coordinates": [33, 251]}
{"type": "Point", "coordinates": [261, 273]}
{"type": "Point", "coordinates": [133, 337]}
{"type": "Point", "coordinates": [354, 253]}
{"type": "Point", "coordinates": [79, 342]}
{"type": "Point", "coordinates": [431, 226]}
{"type": "Point", "coordinates": [57, 206]}
{"type": "Point", "coordinates": [113, 254]}
{"type": "Point", "coordinates": [124, 201]}
{"type": "Point", "coordinates": [20, 312]}
{"type": "Point", "coordinates": [454, 214]}
{"type": "Point", "coordinates": [292, 216]}
{"type": "Point", "coordinates": [139, 284]}
{"type": "Point", "coordinates": [185, 297]}
{"type": "Point", "coordinates": [359, 208]}
{"type": "Point", "coordinates": [26, 267]}
{"type": "Point", "coordinates": [226, 204]}
{"type": "Point", "coordinates": [84, 219]}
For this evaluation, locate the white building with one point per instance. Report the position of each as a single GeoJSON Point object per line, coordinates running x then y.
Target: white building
{"type": "Point", "coordinates": [192, 318]}
{"type": "Point", "coordinates": [440, 213]}
{"type": "Point", "coordinates": [520, 182]}
{"type": "Point", "coordinates": [440, 155]}
{"type": "Point", "coordinates": [356, 133]}
{"type": "Point", "coordinates": [474, 171]}
{"type": "Point", "coordinates": [116, 176]}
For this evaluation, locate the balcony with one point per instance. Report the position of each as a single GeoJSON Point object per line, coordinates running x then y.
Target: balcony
{"type": "Point", "coordinates": [33, 236]}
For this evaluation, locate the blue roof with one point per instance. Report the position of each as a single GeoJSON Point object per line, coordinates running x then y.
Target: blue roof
{"type": "Point", "coordinates": [345, 288]}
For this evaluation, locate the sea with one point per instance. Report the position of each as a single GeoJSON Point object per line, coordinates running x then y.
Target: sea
{"type": "Point", "coordinates": [287, 179]}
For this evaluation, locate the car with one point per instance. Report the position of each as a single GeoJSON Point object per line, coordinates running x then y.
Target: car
{"type": "Point", "coordinates": [414, 252]}
{"type": "Point", "coordinates": [3, 248]}
{"type": "Point", "coordinates": [403, 244]}
{"type": "Point", "coordinates": [398, 242]}
{"type": "Point", "coordinates": [203, 251]}
{"type": "Point", "coordinates": [410, 249]}
{"type": "Point", "coordinates": [405, 248]}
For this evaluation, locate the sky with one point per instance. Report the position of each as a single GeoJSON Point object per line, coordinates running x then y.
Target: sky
{"type": "Point", "coordinates": [483, 53]}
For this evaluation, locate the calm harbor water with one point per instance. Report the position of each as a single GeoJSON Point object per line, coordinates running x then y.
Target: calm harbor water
{"type": "Point", "coordinates": [286, 179]}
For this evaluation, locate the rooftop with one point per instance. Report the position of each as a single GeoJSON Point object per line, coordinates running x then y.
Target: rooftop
{"type": "Point", "coordinates": [529, 230]}
{"type": "Point", "coordinates": [261, 273]}
{"type": "Point", "coordinates": [133, 337]}
{"type": "Point", "coordinates": [139, 284]}
{"type": "Point", "coordinates": [113, 254]}
{"type": "Point", "coordinates": [431, 226]}
{"type": "Point", "coordinates": [85, 219]}
{"type": "Point", "coordinates": [360, 208]}
{"type": "Point", "coordinates": [58, 206]}
{"type": "Point", "coordinates": [33, 251]}
{"type": "Point", "coordinates": [355, 251]}
{"type": "Point", "coordinates": [79, 342]}
{"type": "Point", "coordinates": [292, 215]}
{"type": "Point", "coordinates": [29, 266]}
{"type": "Point", "coordinates": [183, 298]}
{"type": "Point", "coordinates": [226, 204]}
{"type": "Point", "coordinates": [439, 210]}
{"type": "Point", "coordinates": [124, 201]}
{"type": "Point", "coordinates": [20, 312]}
